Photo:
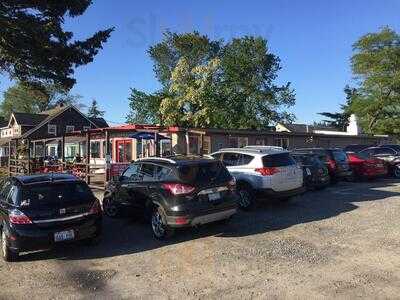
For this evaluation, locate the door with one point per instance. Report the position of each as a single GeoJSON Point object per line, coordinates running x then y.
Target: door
{"type": "Point", "coordinates": [5, 189]}
{"type": "Point", "coordinates": [124, 151]}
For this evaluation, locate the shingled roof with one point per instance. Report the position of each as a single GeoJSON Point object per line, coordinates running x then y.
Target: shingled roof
{"type": "Point", "coordinates": [99, 122]}
{"type": "Point", "coordinates": [28, 119]}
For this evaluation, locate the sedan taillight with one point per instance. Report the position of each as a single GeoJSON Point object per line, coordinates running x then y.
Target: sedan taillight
{"type": "Point", "coordinates": [178, 188]}
{"type": "Point", "coordinates": [18, 217]}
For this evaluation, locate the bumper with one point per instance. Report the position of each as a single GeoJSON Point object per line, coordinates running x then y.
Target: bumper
{"type": "Point", "coordinates": [270, 193]}
{"type": "Point", "coordinates": [33, 238]}
{"type": "Point", "coordinates": [343, 174]}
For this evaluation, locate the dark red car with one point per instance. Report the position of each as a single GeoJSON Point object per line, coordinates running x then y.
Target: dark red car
{"type": "Point", "coordinates": [365, 166]}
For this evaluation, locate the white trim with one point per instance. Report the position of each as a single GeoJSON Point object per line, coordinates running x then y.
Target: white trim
{"type": "Point", "coordinates": [72, 127]}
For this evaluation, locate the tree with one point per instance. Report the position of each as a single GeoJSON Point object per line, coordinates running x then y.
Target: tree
{"type": "Point", "coordinates": [340, 120]}
{"type": "Point", "coordinates": [144, 108]}
{"type": "Point", "coordinates": [24, 97]}
{"type": "Point", "coordinates": [94, 110]}
{"type": "Point", "coordinates": [35, 48]}
{"type": "Point", "coordinates": [207, 83]}
{"type": "Point", "coordinates": [376, 65]}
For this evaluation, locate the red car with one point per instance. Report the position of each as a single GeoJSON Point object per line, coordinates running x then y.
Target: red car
{"type": "Point", "coordinates": [364, 166]}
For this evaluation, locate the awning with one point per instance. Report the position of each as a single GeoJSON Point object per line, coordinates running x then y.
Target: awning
{"type": "Point", "coordinates": [148, 136]}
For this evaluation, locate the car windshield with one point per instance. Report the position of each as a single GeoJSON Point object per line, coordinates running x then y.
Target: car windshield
{"type": "Point", "coordinates": [203, 173]}
{"type": "Point", "coordinates": [55, 194]}
{"type": "Point", "coordinates": [278, 160]}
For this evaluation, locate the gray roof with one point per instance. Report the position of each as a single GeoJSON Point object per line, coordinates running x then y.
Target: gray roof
{"type": "Point", "coordinates": [29, 119]}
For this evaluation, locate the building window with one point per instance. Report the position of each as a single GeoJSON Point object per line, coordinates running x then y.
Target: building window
{"type": "Point", "coordinates": [206, 145]}
{"type": "Point", "coordinates": [260, 142]}
{"type": "Point", "coordinates": [238, 142]}
{"type": "Point", "coordinates": [69, 129]}
{"type": "Point", "coordinates": [282, 142]}
{"type": "Point", "coordinates": [52, 129]}
{"type": "Point", "coordinates": [95, 149]}
{"type": "Point", "coordinates": [194, 144]}
{"type": "Point", "coordinates": [86, 128]}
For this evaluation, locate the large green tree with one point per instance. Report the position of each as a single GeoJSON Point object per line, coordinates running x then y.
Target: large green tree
{"type": "Point", "coordinates": [376, 65]}
{"type": "Point", "coordinates": [94, 110]}
{"type": "Point", "coordinates": [23, 97]}
{"type": "Point", "coordinates": [207, 83]}
{"type": "Point", "coordinates": [35, 48]}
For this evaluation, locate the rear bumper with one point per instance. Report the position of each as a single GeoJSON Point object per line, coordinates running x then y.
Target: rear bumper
{"type": "Point", "coordinates": [32, 238]}
{"type": "Point", "coordinates": [270, 193]}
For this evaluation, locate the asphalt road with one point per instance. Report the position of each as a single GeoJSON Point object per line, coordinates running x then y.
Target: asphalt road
{"type": "Point", "coordinates": [343, 242]}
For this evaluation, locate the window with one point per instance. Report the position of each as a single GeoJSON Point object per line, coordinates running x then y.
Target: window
{"type": "Point", "coordinates": [147, 172]}
{"type": "Point", "coordinates": [206, 145]}
{"type": "Point", "coordinates": [238, 142]}
{"type": "Point", "coordinates": [132, 173]}
{"type": "Point", "coordinates": [86, 128]}
{"type": "Point", "coordinates": [69, 128]}
{"type": "Point", "coordinates": [278, 160]}
{"type": "Point", "coordinates": [384, 151]}
{"type": "Point", "coordinates": [260, 142]}
{"type": "Point", "coordinates": [163, 173]}
{"type": "Point", "coordinates": [52, 129]}
{"type": "Point", "coordinates": [5, 190]}
{"type": "Point", "coordinates": [217, 156]}
{"type": "Point", "coordinates": [194, 144]}
{"type": "Point", "coordinates": [282, 142]}
{"type": "Point", "coordinates": [95, 149]}
{"type": "Point", "coordinates": [236, 159]}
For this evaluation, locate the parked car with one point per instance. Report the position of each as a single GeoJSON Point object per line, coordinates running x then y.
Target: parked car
{"type": "Point", "coordinates": [335, 159]}
{"type": "Point", "coordinates": [395, 147]}
{"type": "Point", "coordinates": [174, 192]}
{"type": "Point", "coordinates": [40, 211]}
{"type": "Point", "coordinates": [315, 173]}
{"type": "Point", "coordinates": [365, 166]}
{"type": "Point", "coordinates": [356, 148]}
{"type": "Point", "coordinates": [264, 172]}
{"type": "Point", "coordinates": [389, 155]}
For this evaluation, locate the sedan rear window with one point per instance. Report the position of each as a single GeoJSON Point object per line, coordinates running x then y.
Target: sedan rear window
{"type": "Point", "coordinates": [204, 172]}
{"type": "Point", "coordinates": [278, 160]}
{"type": "Point", "coordinates": [56, 194]}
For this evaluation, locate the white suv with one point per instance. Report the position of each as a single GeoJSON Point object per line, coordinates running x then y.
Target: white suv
{"type": "Point", "coordinates": [262, 171]}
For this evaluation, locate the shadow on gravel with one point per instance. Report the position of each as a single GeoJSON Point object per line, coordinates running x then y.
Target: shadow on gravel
{"type": "Point", "coordinates": [125, 236]}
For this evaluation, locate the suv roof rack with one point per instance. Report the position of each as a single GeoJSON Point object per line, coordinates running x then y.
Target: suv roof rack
{"type": "Point", "coordinates": [256, 149]}
{"type": "Point", "coordinates": [156, 158]}
{"type": "Point", "coordinates": [262, 147]}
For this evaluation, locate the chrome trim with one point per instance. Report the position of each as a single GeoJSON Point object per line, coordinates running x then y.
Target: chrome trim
{"type": "Point", "coordinates": [213, 190]}
{"type": "Point", "coordinates": [62, 219]}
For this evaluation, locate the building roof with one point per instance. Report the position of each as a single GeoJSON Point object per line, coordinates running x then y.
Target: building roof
{"type": "Point", "coordinates": [304, 128]}
{"type": "Point", "coordinates": [28, 119]}
{"type": "Point", "coordinates": [99, 122]}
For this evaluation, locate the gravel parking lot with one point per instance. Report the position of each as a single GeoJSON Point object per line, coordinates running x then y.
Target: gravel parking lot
{"type": "Point", "coordinates": [343, 242]}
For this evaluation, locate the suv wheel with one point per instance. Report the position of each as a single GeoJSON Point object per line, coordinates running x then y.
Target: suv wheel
{"type": "Point", "coordinates": [159, 225]}
{"type": "Point", "coordinates": [246, 198]}
{"type": "Point", "coordinates": [6, 252]}
{"type": "Point", "coordinates": [110, 208]}
{"type": "Point", "coordinates": [396, 172]}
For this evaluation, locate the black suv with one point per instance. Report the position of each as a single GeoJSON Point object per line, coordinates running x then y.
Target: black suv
{"type": "Point", "coordinates": [335, 160]}
{"type": "Point", "coordinates": [173, 192]}
{"type": "Point", "coordinates": [40, 211]}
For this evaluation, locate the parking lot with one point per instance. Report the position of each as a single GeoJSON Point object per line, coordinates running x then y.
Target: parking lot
{"type": "Point", "coordinates": [341, 242]}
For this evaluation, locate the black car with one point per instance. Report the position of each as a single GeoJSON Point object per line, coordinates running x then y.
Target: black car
{"type": "Point", "coordinates": [40, 211]}
{"type": "Point", "coordinates": [335, 159]}
{"type": "Point", "coordinates": [174, 192]}
{"type": "Point", "coordinates": [316, 175]}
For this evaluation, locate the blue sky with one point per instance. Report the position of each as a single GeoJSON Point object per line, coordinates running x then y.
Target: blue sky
{"type": "Point", "coordinates": [313, 39]}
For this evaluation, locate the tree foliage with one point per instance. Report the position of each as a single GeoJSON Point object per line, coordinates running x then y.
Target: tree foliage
{"type": "Point", "coordinates": [24, 97]}
{"type": "Point", "coordinates": [207, 83]}
{"type": "Point", "coordinates": [35, 48]}
{"type": "Point", "coordinates": [376, 65]}
{"type": "Point", "coordinates": [94, 110]}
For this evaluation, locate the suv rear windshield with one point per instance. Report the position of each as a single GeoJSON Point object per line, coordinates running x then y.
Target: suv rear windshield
{"type": "Point", "coordinates": [71, 193]}
{"type": "Point", "coordinates": [278, 160]}
{"type": "Point", "coordinates": [339, 155]}
{"type": "Point", "coordinates": [203, 172]}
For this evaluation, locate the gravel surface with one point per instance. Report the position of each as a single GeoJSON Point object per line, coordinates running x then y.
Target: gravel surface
{"type": "Point", "coordinates": [343, 242]}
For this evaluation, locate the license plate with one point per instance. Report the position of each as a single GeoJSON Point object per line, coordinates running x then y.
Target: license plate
{"type": "Point", "coordinates": [214, 196]}
{"type": "Point", "coordinates": [64, 236]}
{"type": "Point", "coordinates": [308, 171]}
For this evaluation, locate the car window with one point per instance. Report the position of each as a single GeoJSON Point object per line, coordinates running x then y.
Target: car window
{"type": "Point", "coordinates": [12, 197]}
{"type": "Point", "coordinates": [217, 156]}
{"type": "Point", "coordinates": [147, 172]}
{"type": "Point", "coordinates": [384, 151]}
{"type": "Point", "coordinates": [368, 152]}
{"type": "Point", "coordinates": [164, 173]}
{"type": "Point", "coordinates": [236, 159]}
{"type": "Point", "coordinates": [5, 190]}
{"type": "Point", "coordinates": [131, 173]}
{"type": "Point", "coordinates": [278, 160]}
{"type": "Point", "coordinates": [339, 155]}
{"type": "Point", "coordinates": [203, 173]}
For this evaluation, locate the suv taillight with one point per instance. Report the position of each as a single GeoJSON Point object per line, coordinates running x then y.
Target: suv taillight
{"type": "Point", "coordinates": [96, 208]}
{"type": "Point", "coordinates": [18, 217]}
{"type": "Point", "coordinates": [267, 171]}
{"type": "Point", "coordinates": [178, 188]}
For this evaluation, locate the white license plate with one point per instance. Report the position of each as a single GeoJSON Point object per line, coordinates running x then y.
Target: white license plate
{"type": "Point", "coordinates": [214, 196]}
{"type": "Point", "coordinates": [64, 236]}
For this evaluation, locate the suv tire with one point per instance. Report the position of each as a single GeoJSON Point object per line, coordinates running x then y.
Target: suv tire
{"type": "Point", "coordinates": [7, 254]}
{"type": "Point", "coordinates": [161, 230]}
{"type": "Point", "coordinates": [246, 197]}
{"type": "Point", "coordinates": [110, 208]}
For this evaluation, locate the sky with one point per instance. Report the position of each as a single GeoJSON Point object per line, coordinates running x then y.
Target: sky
{"type": "Point", "coordinates": [313, 39]}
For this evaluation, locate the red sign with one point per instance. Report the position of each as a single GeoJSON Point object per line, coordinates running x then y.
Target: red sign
{"type": "Point", "coordinates": [116, 169]}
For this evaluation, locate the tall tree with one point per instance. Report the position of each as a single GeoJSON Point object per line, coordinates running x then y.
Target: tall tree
{"type": "Point", "coordinates": [144, 108]}
{"type": "Point", "coordinates": [35, 48]}
{"type": "Point", "coordinates": [94, 110]}
{"type": "Point", "coordinates": [24, 97]}
{"type": "Point", "coordinates": [376, 65]}
{"type": "Point", "coordinates": [207, 83]}
{"type": "Point", "coordinates": [340, 119]}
